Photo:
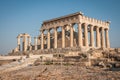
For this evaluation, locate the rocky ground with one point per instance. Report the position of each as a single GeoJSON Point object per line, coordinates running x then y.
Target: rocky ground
{"type": "Point", "coordinates": [105, 66]}
{"type": "Point", "coordinates": [60, 72]}
{"type": "Point", "coordinates": [3, 62]}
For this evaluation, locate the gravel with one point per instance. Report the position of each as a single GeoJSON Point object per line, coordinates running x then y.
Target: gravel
{"type": "Point", "coordinates": [58, 72]}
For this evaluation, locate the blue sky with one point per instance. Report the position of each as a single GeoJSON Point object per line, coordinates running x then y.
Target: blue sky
{"type": "Point", "coordinates": [26, 16]}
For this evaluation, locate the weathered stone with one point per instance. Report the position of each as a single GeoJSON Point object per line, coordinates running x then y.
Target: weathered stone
{"type": "Point", "coordinates": [68, 37]}
{"type": "Point", "coordinates": [117, 65]}
{"type": "Point", "coordinates": [101, 64]}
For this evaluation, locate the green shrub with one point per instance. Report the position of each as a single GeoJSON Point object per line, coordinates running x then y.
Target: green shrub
{"type": "Point", "coordinates": [48, 62]}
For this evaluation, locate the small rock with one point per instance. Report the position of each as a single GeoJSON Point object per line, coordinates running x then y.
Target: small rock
{"type": "Point", "coordinates": [117, 65]}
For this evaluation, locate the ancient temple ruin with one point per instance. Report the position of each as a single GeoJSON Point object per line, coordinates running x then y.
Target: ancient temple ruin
{"type": "Point", "coordinates": [60, 33]}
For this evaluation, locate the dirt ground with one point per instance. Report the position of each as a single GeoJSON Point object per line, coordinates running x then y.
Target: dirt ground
{"type": "Point", "coordinates": [2, 62]}
{"type": "Point", "coordinates": [60, 72]}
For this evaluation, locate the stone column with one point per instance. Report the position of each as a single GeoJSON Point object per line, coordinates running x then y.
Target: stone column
{"type": "Point", "coordinates": [103, 40]}
{"type": "Point", "coordinates": [42, 35]}
{"type": "Point", "coordinates": [97, 37]}
{"type": "Point", "coordinates": [86, 35]}
{"type": "Point", "coordinates": [91, 36]}
{"type": "Point", "coordinates": [80, 43]}
{"type": "Point", "coordinates": [38, 40]}
{"type": "Point", "coordinates": [18, 43]}
{"type": "Point", "coordinates": [55, 37]}
{"type": "Point", "coordinates": [107, 39]}
{"type": "Point", "coordinates": [45, 39]}
{"type": "Point", "coordinates": [71, 35]}
{"type": "Point", "coordinates": [63, 37]}
{"type": "Point", "coordinates": [35, 43]}
{"type": "Point", "coordinates": [48, 38]}
{"type": "Point", "coordinates": [29, 42]}
{"type": "Point", "coordinates": [24, 43]}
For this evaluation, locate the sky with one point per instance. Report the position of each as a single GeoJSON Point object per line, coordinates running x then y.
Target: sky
{"type": "Point", "coordinates": [26, 16]}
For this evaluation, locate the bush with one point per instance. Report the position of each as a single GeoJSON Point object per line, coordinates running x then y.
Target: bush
{"type": "Point", "coordinates": [48, 62]}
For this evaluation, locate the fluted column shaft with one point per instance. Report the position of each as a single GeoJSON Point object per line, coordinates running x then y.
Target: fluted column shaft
{"type": "Point", "coordinates": [63, 37]}
{"type": "Point", "coordinates": [48, 38]}
{"type": "Point", "coordinates": [38, 40]}
{"type": "Point", "coordinates": [107, 39]}
{"type": "Point", "coordinates": [18, 43]}
{"type": "Point", "coordinates": [29, 42]}
{"type": "Point", "coordinates": [92, 36]}
{"type": "Point", "coordinates": [86, 35]}
{"type": "Point", "coordinates": [55, 38]}
{"type": "Point", "coordinates": [42, 35]}
{"type": "Point", "coordinates": [24, 43]}
{"type": "Point", "coordinates": [103, 40]}
{"type": "Point", "coordinates": [71, 35]}
{"type": "Point", "coordinates": [97, 37]}
{"type": "Point", "coordinates": [35, 42]}
{"type": "Point", "coordinates": [80, 35]}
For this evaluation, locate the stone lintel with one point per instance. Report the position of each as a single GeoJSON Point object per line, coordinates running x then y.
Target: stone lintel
{"type": "Point", "coordinates": [70, 15]}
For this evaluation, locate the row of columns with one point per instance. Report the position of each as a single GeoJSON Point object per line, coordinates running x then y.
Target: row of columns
{"type": "Point", "coordinates": [24, 42]}
{"type": "Point", "coordinates": [99, 37]}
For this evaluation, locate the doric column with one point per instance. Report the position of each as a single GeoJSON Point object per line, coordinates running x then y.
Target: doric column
{"type": "Point", "coordinates": [35, 43]}
{"type": "Point", "coordinates": [45, 39]}
{"type": "Point", "coordinates": [48, 38]}
{"type": "Point", "coordinates": [24, 43]}
{"type": "Point", "coordinates": [107, 39]}
{"type": "Point", "coordinates": [42, 35]}
{"type": "Point", "coordinates": [71, 35]}
{"type": "Point", "coordinates": [55, 37]}
{"type": "Point", "coordinates": [18, 43]}
{"type": "Point", "coordinates": [103, 40]}
{"type": "Point", "coordinates": [63, 37]}
{"type": "Point", "coordinates": [38, 40]}
{"type": "Point", "coordinates": [86, 35]}
{"type": "Point", "coordinates": [97, 37]}
{"type": "Point", "coordinates": [29, 42]}
{"type": "Point", "coordinates": [80, 43]}
{"type": "Point", "coordinates": [91, 36]}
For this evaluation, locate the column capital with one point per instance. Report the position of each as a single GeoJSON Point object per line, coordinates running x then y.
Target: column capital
{"type": "Point", "coordinates": [79, 22]}
{"type": "Point", "coordinates": [41, 31]}
{"type": "Point", "coordinates": [55, 28]}
{"type": "Point", "coordinates": [97, 27]}
{"type": "Point", "coordinates": [91, 25]}
{"type": "Point", "coordinates": [63, 26]}
{"type": "Point", "coordinates": [103, 28]}
{"type": "Point", "coordinates": [29, 37]}
{"type": "Point", "coordinates": [71, 24]}
{"type": "Point", "coordinates": [48, 30]}
{"type": "Point", "coordinates": [106, 28]}
{"type": "Point", "coordinates": [18, 37]}
{"type": "Point", "coordinates": [85, 23]}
